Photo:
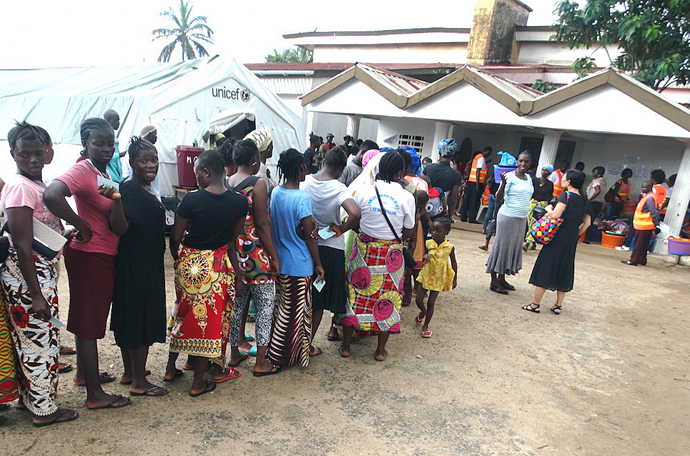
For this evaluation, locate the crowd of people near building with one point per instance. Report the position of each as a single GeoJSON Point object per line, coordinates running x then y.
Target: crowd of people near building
{"type": "Point", "coordinates": [353, 229]}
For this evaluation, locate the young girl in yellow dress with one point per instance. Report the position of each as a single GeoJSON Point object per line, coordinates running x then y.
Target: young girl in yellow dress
{"type": "Point", "coordinates": [438, 274]}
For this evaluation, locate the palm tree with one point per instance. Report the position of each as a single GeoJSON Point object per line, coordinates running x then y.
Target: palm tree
{"type": "Point", "coordinates": [188, 33]}
{"type": "Point", "coordinates": [291, 55]}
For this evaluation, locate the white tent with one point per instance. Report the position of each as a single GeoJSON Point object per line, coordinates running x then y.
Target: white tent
{"type": "Point", "coordinates": [180, 99]}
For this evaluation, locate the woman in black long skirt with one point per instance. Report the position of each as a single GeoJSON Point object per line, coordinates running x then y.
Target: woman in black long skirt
{"type": "Point", "coordinates": [555, 265]}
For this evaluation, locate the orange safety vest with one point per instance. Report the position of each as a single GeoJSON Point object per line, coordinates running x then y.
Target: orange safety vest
{"type": "Point", "coordinates": [557, 189]}
{"type": "Point", "coordinates": [624, 190]}
{"type": "Point", "coordinates": [659, 194]}
{"type": "Point", "coordinates": [473, 171]}
{"type": "Point", "coordinates": [485, 196]}
{"type": "Point", "coordinates": [643, 220]}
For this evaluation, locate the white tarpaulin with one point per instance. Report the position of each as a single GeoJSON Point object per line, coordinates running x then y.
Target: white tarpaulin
{"type": "Point", "coordinates": [180, 99]}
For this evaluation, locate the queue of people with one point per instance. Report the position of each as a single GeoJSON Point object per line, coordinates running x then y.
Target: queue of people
{"type": "Point", "coordinates": [348, 233]}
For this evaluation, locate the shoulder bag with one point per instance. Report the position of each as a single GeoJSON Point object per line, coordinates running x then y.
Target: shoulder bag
{"type": "Point", "coordinates": [407, 255]}
{"type": "Point", "coordinates": [544, 229]}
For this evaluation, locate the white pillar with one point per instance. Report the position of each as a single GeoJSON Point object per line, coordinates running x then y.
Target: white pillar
{"type": "Point", "coordinates": [675, 213]}
{"type": "Point", "coordinates": [353, 126]}
{"type": "Point", "coordinates": [442, 130]}
{"type": "Point", "coordinates": [549, 148]}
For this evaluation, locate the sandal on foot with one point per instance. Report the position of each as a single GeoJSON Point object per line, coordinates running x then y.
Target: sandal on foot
{"type": "Point", "coordinates": [118, 401]}
{"type": "Point", "coordinates": [274, 370]}
{"type": "Point", "coordinates": [103, 377]}
{"type": "Point", "coordinates": [242, 358]}
{"type": "Point", "coordinates": [153, 391]}
{"type": "Point", "coordinates": [62, 416]}
{"type": "Point", "coordinates": [232, 373]}
{"type": "Point", "coordinates": [178, 373]}
{"type": "Point", "coordinates": [316, 351]}
{"type": "Point", "coordinates": [249, 337]}
{"type": "Point", "coordinates": [64, 350]}
{"type": "Point", "coordinates": [63, 368]}
{"type": "Point", "coordinates": [499, 290]}
{"type": "Point", "coordinates": [208, 387]}
{"type": "Point", "coordinates": [427, 334]}
{"type": "Point", "coordinates": [531, 307]}
{"type": "Point", "coordinates": [419, 318]}
{"type": "Point", "coordinates": [333, 338]}
{"type": "Point", "coordinates": [341, 350]}
{"type": "Point", "coordinates": [556, 309]}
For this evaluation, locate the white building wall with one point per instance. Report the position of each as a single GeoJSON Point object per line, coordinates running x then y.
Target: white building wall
{"type": "Point", "coordinates": [551, 53]}
{"type": "Point", "coordinates": [324, 123]}
{"type": "Point", "coordinates": [390, 127]}
{"type": "Point", "coordinates": [393, 53]}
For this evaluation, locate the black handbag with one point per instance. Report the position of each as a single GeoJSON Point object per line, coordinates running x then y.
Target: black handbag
{"type": "Point", "coordinates": [410, 262]}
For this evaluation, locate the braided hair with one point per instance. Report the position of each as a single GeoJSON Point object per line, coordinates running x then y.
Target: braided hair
{"type": "Point", "coordinates": [137, 145]}
{"type": "Point", "coordinates": [90, 125]}
{"type": "Point", "coordinates": [391, 164]}
{"type": "Point", "coordinates": [226, 151]}
{"type": "Point", "coordinates": [290, 163]}
{"type": "Point", "coordinates": [23, 131]}
{"type": "Point", "coordinates": [244, 151]}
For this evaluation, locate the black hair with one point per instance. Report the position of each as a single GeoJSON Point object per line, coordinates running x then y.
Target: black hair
{"type": "Point", "coordinates": [658, 176]}
{"type": "Point", "coordinates": [407, 158]}
{"type": "Point", "coordinates": [526, 152]}
{"type": "Point", "coordinates": [313, 139]}
{"type": "Point", "coordinates": [428, 159]}
{"type": "Point", "coordinates": [213, 161]}
{"type": "Point", "coordinates": [244, 151]}
{"type": "Point", "coordinates": [46, 135]}
{"type": "Point", "coordinates": [601, 169]}
{"type": "Point", "coordinates": [289, 164]}
{"type": "Point", "coordinates": [359, 142]}
{"type": "Point", "coordinates": [672, 180]}
{"type": "Point", "coordinates": [137, 145]}
{"type": "Point", "coordinates": [226, 150]}
{"type": "Point", "coordinates": [23, 131]}
{"type": "Point", "coordinates": [110, 113]}
{"type": "Point", "coordinates": [336, 158]}
{"type": "Point", "coordinates": [89, 125]}
{"type": "Point", "coordinates": [368, 144]}
{"type": "Point", "coordinates": [580, 166]}
{"type": "Point", "coordinates": [391, 163]}
{"type": "Point", "coordinates": [421, 197]}
{"type": "Point", "coordinates": [566, 162]}
{"type": "Point", "coordinates": [576, 178]}
{"type": "Point", "coordinates": [488, 149]}
{"type": "Point", "coordinates": [445, 221]}
{"type": "Point", "coordinates": [628, 171]}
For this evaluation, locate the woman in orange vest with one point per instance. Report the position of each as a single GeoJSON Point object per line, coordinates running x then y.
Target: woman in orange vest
{"type": "Point", "coordinates": [645, 220]}
{"type": "Point", "coordinates": [621, 190]}
{"type": "Point", "coordinates": [659, 191]}
{"type": "Point", "coordinates": [557, 178]}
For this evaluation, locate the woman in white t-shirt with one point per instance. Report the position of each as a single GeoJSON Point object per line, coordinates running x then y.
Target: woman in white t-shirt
{"type": "Point", "coordinates": [376, 265]}
{"type": "Point", "coordinates": [328, 195]}
{"type": "Point", "coordinates": [506, 254]}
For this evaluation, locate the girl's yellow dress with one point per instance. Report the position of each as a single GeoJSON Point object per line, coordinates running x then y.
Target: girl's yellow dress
{"type": "Point", "coordinates": [437, 274]}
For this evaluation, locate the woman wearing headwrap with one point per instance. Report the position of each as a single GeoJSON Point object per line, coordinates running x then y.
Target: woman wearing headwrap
{"type": "Point", "coordinates": [543, 189]}
{"type": "Point", "coordinates": [264, 142]}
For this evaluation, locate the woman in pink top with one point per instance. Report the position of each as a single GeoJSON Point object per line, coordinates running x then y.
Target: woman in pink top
{"type": "Point", "coordinates": [29, 280]}
{"type": "Point", "coordinates": [90, 258]}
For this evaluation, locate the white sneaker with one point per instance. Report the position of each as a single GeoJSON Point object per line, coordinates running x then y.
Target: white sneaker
{"type": "Point", "coordinates": [622, 247]}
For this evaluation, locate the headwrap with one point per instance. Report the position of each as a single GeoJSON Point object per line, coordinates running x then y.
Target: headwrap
{"type": "Point", "coordinates": [368, 156]}
{"type": "Point", "coordinates": [447, 147]}
{"type": "Point", "coordinates": [416, 165]}
{"type": "Point", "coordinates": [147, 130]}
{"type": "Point", "coordinates": [549, 167]}
{"type": "Point", "coordinates": [262, 139]}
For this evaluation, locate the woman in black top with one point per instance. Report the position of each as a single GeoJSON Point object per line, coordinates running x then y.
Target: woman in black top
{"type": "Point", "coordinates": [543, 190]}
{"type": "Point", "coordinates": [555, 265]}
{"type": "Point", "coordinates": [138, 317]}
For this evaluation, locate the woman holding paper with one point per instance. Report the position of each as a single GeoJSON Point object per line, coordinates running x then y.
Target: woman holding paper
{"type": "Point", "coordinates": [29, 279]}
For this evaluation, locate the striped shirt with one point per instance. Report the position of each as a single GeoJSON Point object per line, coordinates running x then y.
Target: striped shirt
{"type": "Point", "coordinates": [516, 196]}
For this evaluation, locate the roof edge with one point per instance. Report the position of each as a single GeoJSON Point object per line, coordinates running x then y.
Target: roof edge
{"type": "Point", "coordinates": [379, 32]}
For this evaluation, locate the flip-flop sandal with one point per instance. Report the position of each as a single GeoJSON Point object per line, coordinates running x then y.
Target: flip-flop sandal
{"type": "Point", "coordinates": [178, 373]}
{"type": "Point", "coordinates": [124, 382]}
{"type": "Point", "coordinates": [317, 351]}
{"type": "Point", "coordinates": [499, 290]}
{"type": "Point", "coordinates": [332, 339]}
{"type": "Point", "coordinates": [210, 386]}
{"type": "Point", "coordinates": [417, 319]}
{"type": "Point", "coordinates": [249, 337]}
{"type": "Point", "coordinates": [242, 358]}
{"type": "Point", "coordinates": [251, 352]}
{"type": "Point", "coordinates": [152, 392]}
{"type": "Point", "coordinates": [63, 368]}
{"type": "Point", "coordinates": [187, 367]}
{"type": "Point", "coordinates": [232, 373]}
{"type": "Point", "coordinates": [115, 403]}
{"type": "Point", "coordinates": [340, 350]}
{"type": "Point", "coordinates": [73, 415]}
{"type": "Point", "coordinates": [103, 377]}
{"type": "Point", "coordinates": [556, 309]}
{"type": "Point", "coordinates": [275, 370]}
{"type": "Point", "coordinates": [427, 334]}
{"type": "Point", "coordinates": [67, 350]}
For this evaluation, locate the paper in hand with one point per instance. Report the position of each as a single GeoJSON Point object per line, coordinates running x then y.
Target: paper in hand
{"type": "Point", "coordinates": [325, 234]}
{"type": "Point", "coordinates": [107, 183]}
{"type": "Point", "coordinates": [319, 285]}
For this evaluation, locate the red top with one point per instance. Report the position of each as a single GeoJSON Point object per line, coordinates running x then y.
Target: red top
{"type": "Point", "coordinates": [94, 209]}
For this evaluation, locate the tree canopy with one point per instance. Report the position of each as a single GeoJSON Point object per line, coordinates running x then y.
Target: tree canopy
{"type": "Point", "coordinates": [291, 55]}
{"type": "Point", "coordinates": [189, 32]}
{"type": "Point", "coordinates": [653, 35]}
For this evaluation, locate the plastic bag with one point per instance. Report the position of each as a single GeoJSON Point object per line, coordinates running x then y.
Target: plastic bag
{"type": "Point", "coordinates": [507, 159]}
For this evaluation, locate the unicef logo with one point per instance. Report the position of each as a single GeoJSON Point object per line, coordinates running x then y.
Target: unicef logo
{"type": "Point", "coordinates": [245, 95]}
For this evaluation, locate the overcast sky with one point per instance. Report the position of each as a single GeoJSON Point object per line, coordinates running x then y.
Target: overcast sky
{"type": "Point", "coordinates": [49, 33]}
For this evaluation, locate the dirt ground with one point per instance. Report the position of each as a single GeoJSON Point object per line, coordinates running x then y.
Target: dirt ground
{"type": "Point", "coordinates": [608, 376]}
